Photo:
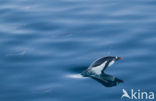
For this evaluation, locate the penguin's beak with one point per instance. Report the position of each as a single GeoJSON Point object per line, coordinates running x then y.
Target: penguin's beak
{"type": "Point", "coordinates": [119, 58]}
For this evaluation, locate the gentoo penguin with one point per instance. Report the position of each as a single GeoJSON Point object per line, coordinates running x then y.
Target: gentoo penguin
{"type": "Point", "coordinates": [96, 69]}
{"type": "Point", "coordinates": [99, 65]}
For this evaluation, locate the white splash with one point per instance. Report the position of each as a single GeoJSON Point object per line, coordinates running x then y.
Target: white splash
{"type": "Point", "coordinates": [76, 76]}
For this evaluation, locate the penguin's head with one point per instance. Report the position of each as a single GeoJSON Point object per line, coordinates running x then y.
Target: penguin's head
{"type": "Point", "coordinates": [113, 58]}
{"type": "Point", "coordinates": [118, 58]}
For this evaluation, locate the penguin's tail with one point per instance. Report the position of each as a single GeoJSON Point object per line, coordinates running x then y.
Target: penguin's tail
{"type": "Point", "coordinates": [85, 73]}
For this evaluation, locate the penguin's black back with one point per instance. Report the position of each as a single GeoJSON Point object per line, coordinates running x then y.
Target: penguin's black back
{"type": "Point", "coordinates": [101, 60]}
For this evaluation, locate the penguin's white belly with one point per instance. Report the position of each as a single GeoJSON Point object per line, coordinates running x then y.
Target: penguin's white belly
{"type": "Point", "coordinates": [99, 68]}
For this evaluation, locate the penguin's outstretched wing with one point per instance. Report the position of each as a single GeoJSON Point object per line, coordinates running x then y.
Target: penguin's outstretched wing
{"type": "Point", "coordinates": [106, 65]}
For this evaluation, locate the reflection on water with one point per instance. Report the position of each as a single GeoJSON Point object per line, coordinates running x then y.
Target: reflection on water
{"type": "Point", "coordinates": [103, 78]}
{"type": "Point", "coordinates": [107, 80]}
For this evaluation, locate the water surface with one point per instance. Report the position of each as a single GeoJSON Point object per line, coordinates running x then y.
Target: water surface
{"type": "Point", "coordinates": [45, 43]}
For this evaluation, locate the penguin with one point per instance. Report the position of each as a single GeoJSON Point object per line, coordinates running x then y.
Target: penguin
{"type": "Point", "coordinates": [97, 68]}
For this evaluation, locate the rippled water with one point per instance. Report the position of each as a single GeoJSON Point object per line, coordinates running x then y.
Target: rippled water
{"type": "Point", "coordinates": [45, 44]}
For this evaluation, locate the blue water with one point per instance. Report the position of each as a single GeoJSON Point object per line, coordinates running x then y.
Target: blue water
{"type": "Point", "coordinates": [45, 44]}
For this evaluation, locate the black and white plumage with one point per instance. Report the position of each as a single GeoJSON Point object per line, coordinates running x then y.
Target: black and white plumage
{"type": "Point", "coordinates": [99, 65]}
{"type": "Point", "coordinates": [97, 68]}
